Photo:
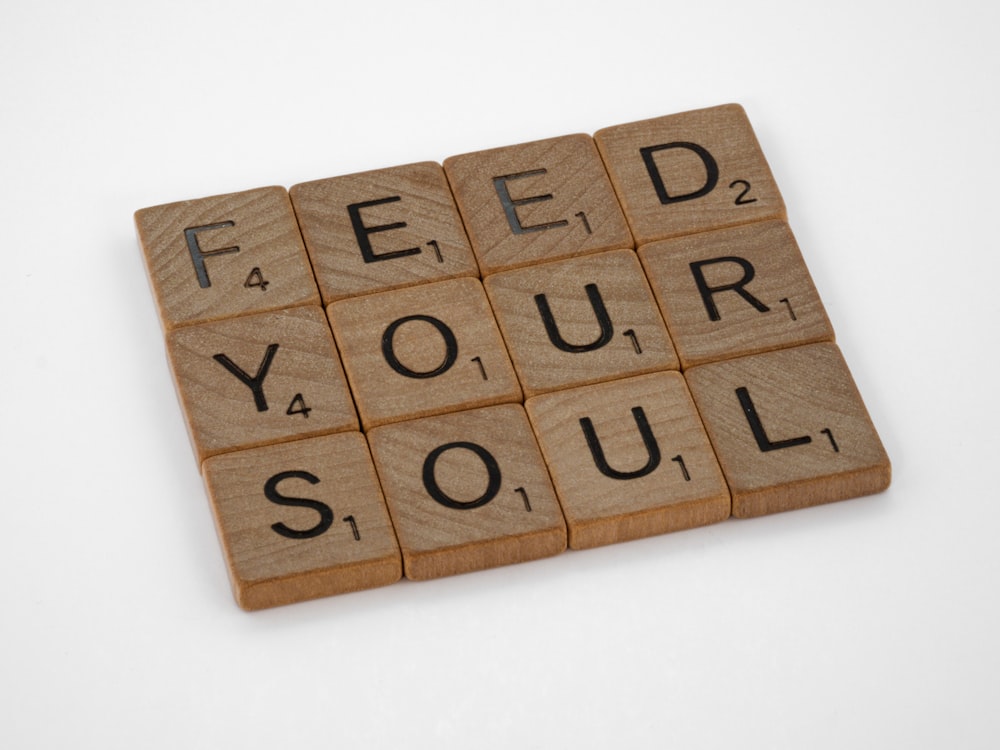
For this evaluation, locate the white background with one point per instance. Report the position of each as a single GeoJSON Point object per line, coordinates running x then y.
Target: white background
{"type": "Point", "coordinates": [871, 623]}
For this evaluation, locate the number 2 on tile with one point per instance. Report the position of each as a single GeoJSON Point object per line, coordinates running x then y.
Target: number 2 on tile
{"type": "Point", "coordinates": [741, 199]}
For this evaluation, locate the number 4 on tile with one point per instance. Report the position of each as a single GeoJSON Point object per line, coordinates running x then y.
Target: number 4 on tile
{"type": "Point", "coordinates": [298, 406]}
{"type": "Point", "coordinates": [256, 280]}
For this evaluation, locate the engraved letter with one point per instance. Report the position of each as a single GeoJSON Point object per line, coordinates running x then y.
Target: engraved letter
{"type": "Point", "coordinates": [255, 383]}
{"type": "Point", "coordinates": [648, 440]}
{"type": "Point", "coordinates": [450, 343]}
{"type": "Point", "coordinates": [435, 491]}
{"type": "Point", "coordinates": [198, 255]}
{"type": "Point", "coordinates": [272, 494]}
{"type": "Point", "coordinates": [707, 291]}
{"type": "Point", "coordinates": [600, 311]}
{"type": "Point", "coordinates": [763, 442]}
{"type": "Point", "coordinates": [711, 171]}
{"type": "Point", "coordinates": [510, 204]}
{"type": "Point", "coordinates": [361, 231]}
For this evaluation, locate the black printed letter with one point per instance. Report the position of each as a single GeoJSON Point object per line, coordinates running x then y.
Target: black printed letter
{"type": "Point", "coordinates": [198, 255]}
{"type": "Point", "coordinates": [707, 291]}
{"type": "Point", "coordinates": [711, 171]}
{"type": "Point", "coordinates": [256, 383]}
{"type": "Point", "coordinates": [450, 343]}
{"type": "Point", "coordinates": [763, 442]}
{"type": "Point", "coordinates": [652, 449]}
{"type": "Point", "coordinates": [272, 494]}
{"type": "Point", "coordinates": [492, 469]}
{"type": "Point", "coordinates": [600, 311]}
{"type": "Point", "coordinates": [362, 232]}
{"type": "Point", "coordinates": [510, 204]}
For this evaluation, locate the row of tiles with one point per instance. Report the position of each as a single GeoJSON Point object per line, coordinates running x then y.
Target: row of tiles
{"type": "Point", "coordinates": [463, 343]}
{"type": "Point", "coordinates": [480, 214]}
{"type": "Point", "coordinates": [504, 484]}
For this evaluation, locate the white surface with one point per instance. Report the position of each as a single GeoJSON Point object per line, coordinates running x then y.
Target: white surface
{"type": "Point", "coordinates": [869, 623]}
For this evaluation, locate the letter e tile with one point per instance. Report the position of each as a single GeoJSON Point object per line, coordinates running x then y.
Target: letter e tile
{"type": "Point", "coordinates": [735, 292]}
{"type": "Point", "coordinates": [259, 379]}
{"type": "Point", "coordinates": [302, 520]}
{"type": "Point", "coordinates": [629, 459]}
{"type": "Point", "coordinates": [689, 172]}
{"type": "Point", "coordinates": [790, 429]}
{"type": "Point", "coordinates": [537, 201]}
{"type": "Point", "coordinates": [224, 256]}
{"type": "Point", "coordinates": [381, 230]}
{"type": "Point", "coordinates": [467, 491]}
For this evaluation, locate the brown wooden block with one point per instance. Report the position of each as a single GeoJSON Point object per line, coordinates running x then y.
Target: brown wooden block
{"type": "Point", "coordinates": [629, 459]}
{"type": "Point", "coordinates": [689, 172]}
{"type": "Point", "coordinates": [381, 230]}
{"type": "Point", "coordinates": [734, 292]}
{"type": "Point", "coordinates": [467, 491]}
{"type": "Point", "coordinates": [224, 256]}
{"type": "Point", "coordinates": [790, 429]}
{"type": "Point", "coordinates": [536, 202]}
{"type": "Point", "coordinates": [579, 321]}
{"type": "Point", "coordinates": [259, 379]}
{"type": "Point", "coordinates": [302, 520]}
{"type": "Point", "coordinates": [423, 350]}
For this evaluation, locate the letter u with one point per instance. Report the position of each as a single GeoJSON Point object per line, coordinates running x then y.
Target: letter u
{"type": "Point", "coordinates": [652, 449]}
{"type": "Point", "coordinates": [600, 312]}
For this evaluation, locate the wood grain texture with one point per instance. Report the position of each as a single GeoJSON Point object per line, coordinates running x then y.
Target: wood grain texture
{"type": "Point", "coordinates": [735, 292]}
{"type": "Point", "coordinates": [597, 320]}
{"type": "Point", "coordinates": [536, 202]}
{"type": "Point", "coordinates": [446, 351]}
{"type": "Point", "coordinates": [790, 429]}
{"type": "Point", "coordinates": [302, 520]}
{"type": "Point", "coordinates": [288, 355]}
{"type": "Point", "coordinates": [616, 482]}
{"type": "Point", "coordinates": [196, 271]}
{"type": "Point", "coordinates": [689, 172]}
{"type": "Point", "coordinates": [498, 515]}
{"type": "Point", "coordinates": [381, 230]}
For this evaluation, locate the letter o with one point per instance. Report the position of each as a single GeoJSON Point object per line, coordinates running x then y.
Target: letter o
{"type": "Point", "coordinates": [492, 469]}
{"type": "Point", "coordinates": [450, 343]}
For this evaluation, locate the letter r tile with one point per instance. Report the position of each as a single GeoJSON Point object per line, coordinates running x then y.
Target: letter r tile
{"type": "Point", "coordinates": [689, 172]}
{"type": "Point", "coordinates": [735, 292]}
{"type": "Point", "coordinates": [537, 201]}
{"type": "Point", "coordinates": [381, 230]}
{"type": "Point", "coordinates": [790, 429]}
{"type": "Point", "coordinates": [629, 459]}
{"type": "Point", "coordinates": [225, 256]}
{"type": "Point", "coordinates": [422, 350]}
{"type": "Point", "coordinates": [467, 491]}
{"type": "Point", "coordinates": [302, 520]}
{"type": "Point", "coordinates": [259, 379]}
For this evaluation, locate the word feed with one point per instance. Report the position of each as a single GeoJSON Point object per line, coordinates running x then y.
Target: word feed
{"type": "Point", "coordinates": [436, 368]}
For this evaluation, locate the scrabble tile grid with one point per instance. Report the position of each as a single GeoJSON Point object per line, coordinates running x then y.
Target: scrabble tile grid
{"type": "Point", "coordinates": [649, 355]}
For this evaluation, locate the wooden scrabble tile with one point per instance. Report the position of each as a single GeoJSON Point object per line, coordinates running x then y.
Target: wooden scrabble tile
{"type": "Point", "coordinates": [381, 230]}
{"type": "Point", "coordinates": [735, 291]}
{"type": "Point", "coordinates": [467, 491]}
{"type": "Point", "coordinates": [790, 429]}
{"type": "Point", "coordinates": [629, 459]}
{"type": "Point", "coordinates": [302, 520]}
{"type": "Point", "coordinates": [536, 201]}
{"type": "Point", "coordinates": [422, 350]}
{"type": "Point", "coordinates": [259, 379]}
{"type": "Point", "coordinates": [689, 172]}
{"type": "Point", "coordinates": [224, 256]}
{"type": "Point", "coordinates": [579, 321]}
